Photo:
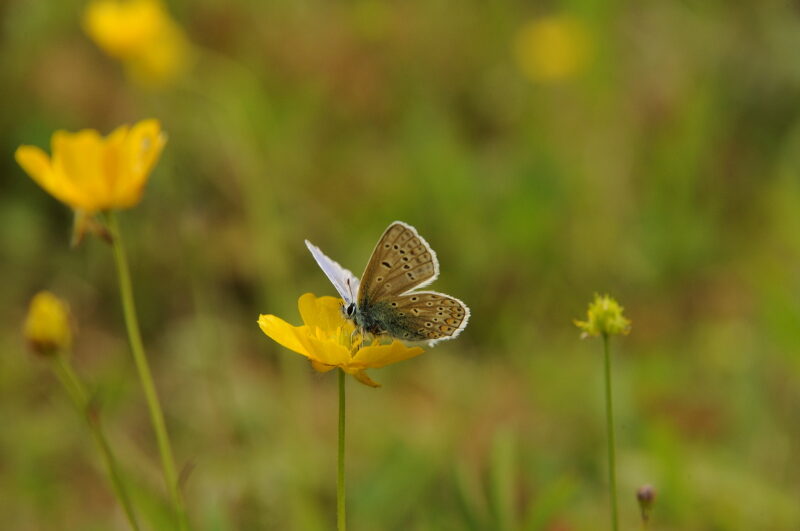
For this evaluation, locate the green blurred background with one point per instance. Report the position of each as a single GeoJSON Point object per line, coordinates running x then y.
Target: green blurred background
{"type": "Point", "coordinates": [662, 168]}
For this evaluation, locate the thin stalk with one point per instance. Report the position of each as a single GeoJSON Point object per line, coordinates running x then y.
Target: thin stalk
{"type": "Point", "coordinates": [80, 398]}
{"type": "Point", "coordinates": [612, 469]}
{"type": "Point", "coordinates": [341, 520]}
{"type": "Point", "coordinates": [143, 368]}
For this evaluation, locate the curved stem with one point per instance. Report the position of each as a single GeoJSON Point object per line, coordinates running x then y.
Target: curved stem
{"type": "Point", "coordinates": [612, 474]}
{"type": "Point", "coordinates": [78, 394]}
{"type": "Point", "coordinates": [143, 368]}
{"type": "Point", "coordinates": [341, 520]}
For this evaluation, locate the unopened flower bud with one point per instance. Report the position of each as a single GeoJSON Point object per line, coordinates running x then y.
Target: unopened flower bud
{"type": "Point", "coordinates": [47, 327]}
{"type": "Point", "coordinates": [646, 495]}
{"type": "Point", "coordinates": [604, 317]}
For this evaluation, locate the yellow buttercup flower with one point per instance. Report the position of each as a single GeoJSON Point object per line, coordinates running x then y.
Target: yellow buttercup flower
{"type": "Point", "coordinates": [552, 48]}
{"type": "Point", "coordinates": [122, 29]}
{"type": "Point", "coordinates": [163, 61]}
{"type": "Point", "coordinates": [141, 34]}
{"type": "Point", "coordinates": [91, 173]}
{"type": "Point", "coordinates": [604, 317]}
{"type": "Point", "coordinates": [327, 339]}
{"type": "Point", "coordinates": [47, 328]}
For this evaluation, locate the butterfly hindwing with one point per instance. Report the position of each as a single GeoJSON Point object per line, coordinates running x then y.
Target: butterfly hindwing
{"type": "Point", "coordinates": [428, 316]}
{"type": "Point", "coordinates": [402, 261]}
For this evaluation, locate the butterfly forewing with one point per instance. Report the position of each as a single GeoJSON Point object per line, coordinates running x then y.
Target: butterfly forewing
{"type": "Point", "coordinates": [402, 260]}
{"type": "Point", "coordinates": [430, 316]}
{"type": "Point", "coordinates": [342, 279]}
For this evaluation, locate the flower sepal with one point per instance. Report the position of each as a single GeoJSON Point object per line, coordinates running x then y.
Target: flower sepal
{"type": "Point", "coordinates": [86, 223]}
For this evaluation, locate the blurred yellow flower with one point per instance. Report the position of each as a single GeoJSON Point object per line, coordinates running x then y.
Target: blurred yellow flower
{"type": "Point", "coordinates": [91, 173]}
{"type": "Point", "coordinates": [142, 35]}
{"type": "Point", "coordinates": [326, 338]}
{"type": "Point", "coordinates": [552, 48]}
{"type": "Point", "coordinates": [604, 318]}
{"type": "Point", "coordinates": [47, 327]}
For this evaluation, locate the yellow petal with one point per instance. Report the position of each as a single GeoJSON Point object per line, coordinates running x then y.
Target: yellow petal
{"type": "Point", "coordinates": [321, 312]}
{"type": "Point", "coordinates": [114, 167]}
{"type": "Point", "coordinates": [78, 157]}
{"type": "Point", "coordinates": [552, 48]}
{"type": "Point", "coordinates": [123, 29]}
{"type": "Point", "coordinates": [321, 367]}
{"type": "Point", "coordinates": [118, 135]}
{"type": "Point", "coordinates": [138, 153]}
{"type": "Point", "coordinates": [300, 340]}
{"type": "Point", "coordinates": [381, 355]}
{"type": "Point", "coordinates": [325, 351]}
{"type": "Point", "coordinates": [283, 333]}
{"type": "Point", "coordinates": [163, 60]}
{"type": "Point", "coordinates": [36, 163]}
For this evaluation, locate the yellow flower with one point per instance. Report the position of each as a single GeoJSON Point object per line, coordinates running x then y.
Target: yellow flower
{"type": "Point", "coordinates": [326, 338]}
{"type": "Point", "coordinates": [142, 34]}
{"type": "Point", "coordinates": [161, 62]}
{"type": "Point", "coordinates": [604, 318]}
{"type": "Point", "coordinates": [122, 29]}
{"type": "Point", "coordinates": [91, 173]}
{"type": "Point", "coordinates": [552, 48]}
{"type": "Point", "coordinates": [47, 327]}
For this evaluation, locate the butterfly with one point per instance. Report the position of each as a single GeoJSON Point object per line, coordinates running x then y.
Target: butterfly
{"type": "Point", "coordinates": [386, 300]}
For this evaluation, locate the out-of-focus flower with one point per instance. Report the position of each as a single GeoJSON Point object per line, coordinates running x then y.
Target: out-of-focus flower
{"type": "Point", "coordinates": [91, 173]}
{"type": "Point", "coordinates": [552, 48]}
{"type": "Point", "coordinates": [47, 327]}
{"type": "Point", "coordinates": [142, 35]}
{"type": "Point", "coordinates": [328, 340]}
{"type": "Point", "coordinates": [604, 318]}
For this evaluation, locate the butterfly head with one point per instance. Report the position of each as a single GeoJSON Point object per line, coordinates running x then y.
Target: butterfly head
{"type": "Point", "coordinates": [349, 310]}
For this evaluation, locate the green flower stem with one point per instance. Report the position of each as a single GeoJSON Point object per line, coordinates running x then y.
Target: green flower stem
{"type": "Point", "coordinates": [143, 368]}
{"type": "Point", "coordinates": [612, 473]}
{"type": "Point", "coordinates": [80, 398]}
{"type": "Point", "coordinates": [341, 519]}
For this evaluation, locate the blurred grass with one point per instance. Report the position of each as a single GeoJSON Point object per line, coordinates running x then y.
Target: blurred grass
{"type": "Point", "coordinates": [664, 173]}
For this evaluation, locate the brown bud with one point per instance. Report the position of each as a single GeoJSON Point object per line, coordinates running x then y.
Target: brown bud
{"type": "Point", "coordinates": [646, 496]}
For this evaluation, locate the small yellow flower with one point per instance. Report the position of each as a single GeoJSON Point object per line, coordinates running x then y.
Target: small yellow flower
{"type": "Point", "coordinates": [604, 318]}
{"type": "Point", "coordinates": [91, 173]}
{"type": "Point", "coordinates": [163, 61]}
{"type": "Point", "coordinates": [326, 338]}
{"type": "Point", "coordinates": [552, 48]}
{"type": "Point", "coordinates": [47, 327]}
{"type": "Point", "coordinates": [123, 28]}
{"type": "Point", "coordinates": [142, 35]}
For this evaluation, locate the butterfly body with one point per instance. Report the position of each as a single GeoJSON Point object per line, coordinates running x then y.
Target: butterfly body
{"type": "Point", "coordinates": [380, 318]}
{"type": "Point", "coordinates": [386, 300]}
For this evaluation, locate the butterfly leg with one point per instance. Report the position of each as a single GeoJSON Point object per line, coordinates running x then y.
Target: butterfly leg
{"type": "Point", "coordinates": [357, 338]}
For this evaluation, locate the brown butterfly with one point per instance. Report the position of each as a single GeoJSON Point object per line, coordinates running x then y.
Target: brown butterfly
{"type": "Point", "coordinates": [386, 301]}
